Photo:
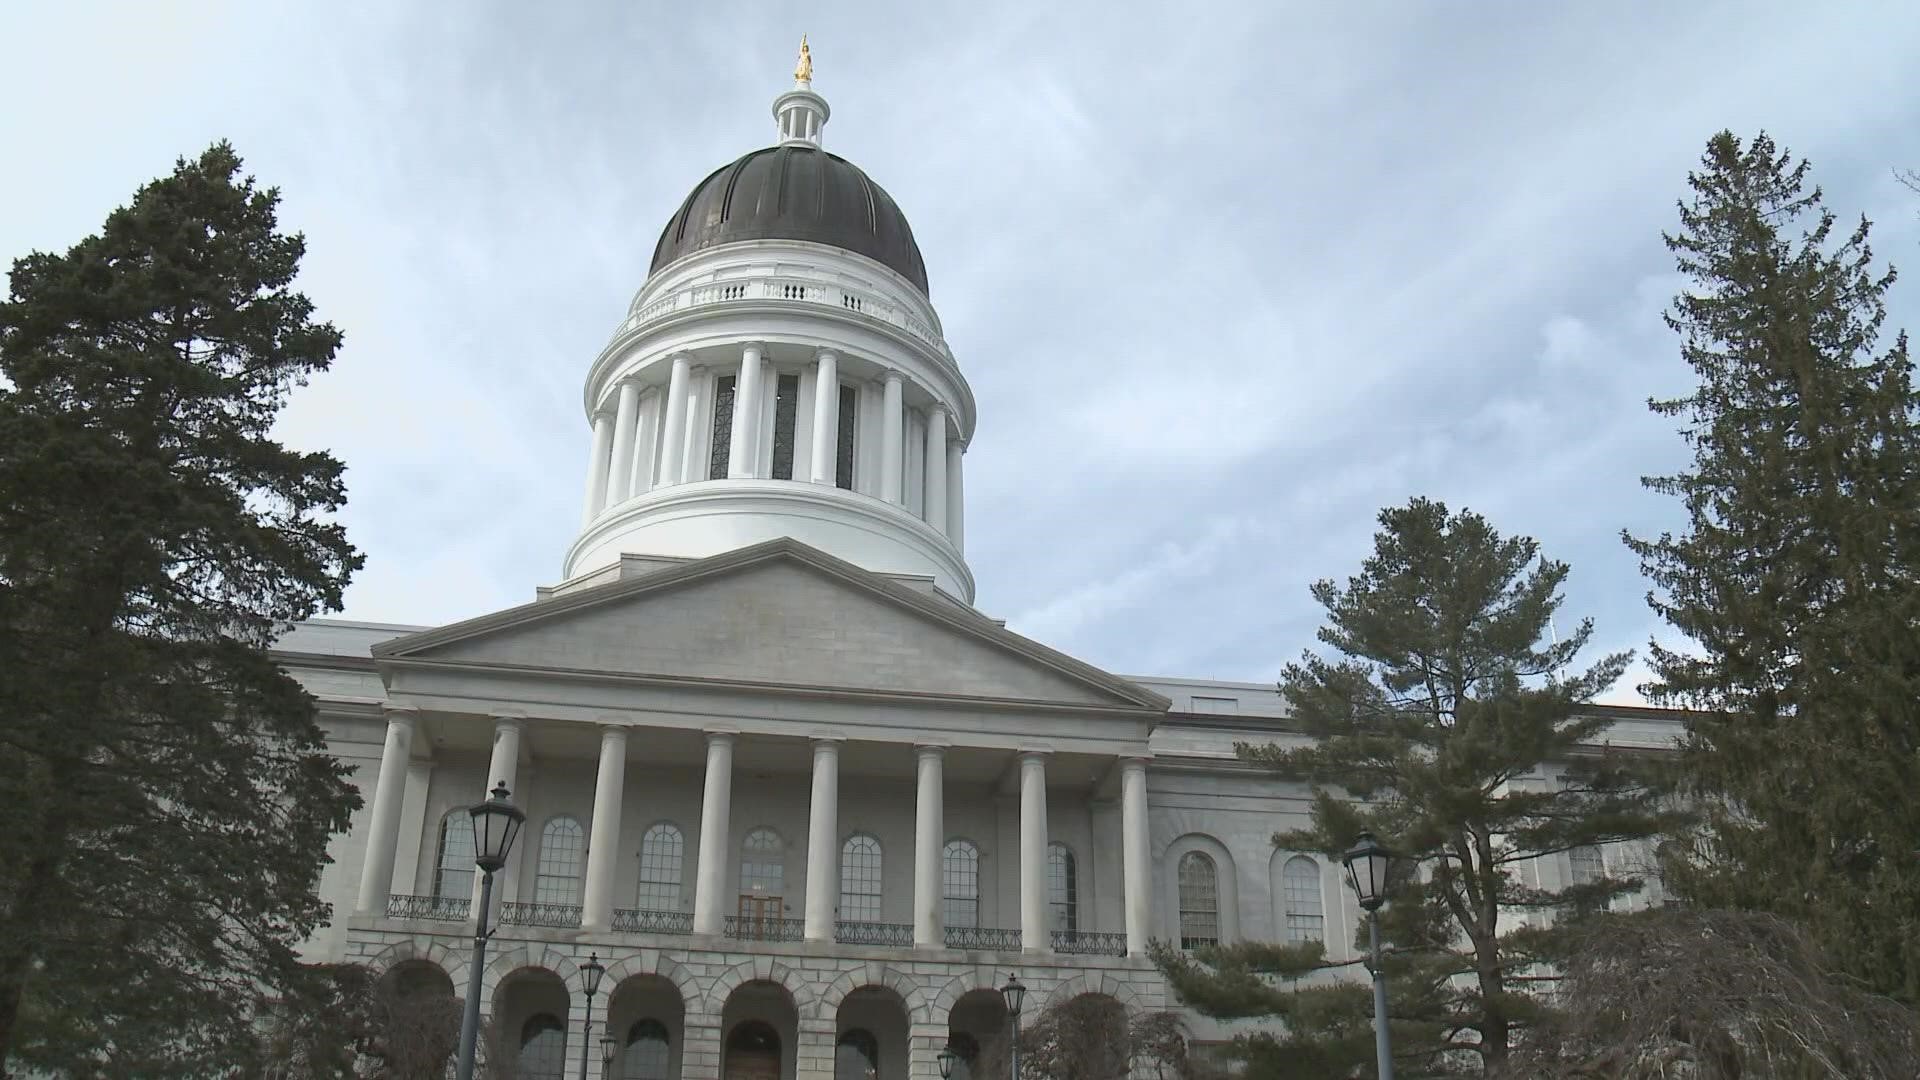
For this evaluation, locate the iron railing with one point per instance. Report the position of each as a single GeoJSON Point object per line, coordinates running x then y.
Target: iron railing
{"type": "Point", "coordinates": [436, 908]}
{"type": "Point", "coordinates": [1089, 943]}
{"type": "Point", "coordinates": [989, 938]}
{"type": "Point", "coordinates": [872, 933]}
{"type": "Point", "coordinates": [644, 921]}
{"type": "Point", "coordinates": [565, 916]}
{"type": "Point", "coordinates": [751, 929]}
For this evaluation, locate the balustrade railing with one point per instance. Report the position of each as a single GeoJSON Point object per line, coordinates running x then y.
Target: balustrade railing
{"type": "Point", "coordinates": [564, 916]}
{"type": "Point", "coordinates": [983, 937]}
{"type": "Point", "coordinates": [1089, 943]}
{"type": "Point", "coordinates": [872, 933]}
{"type": "Point", "coordinates": [750, 929]}
{"type": "Point", "coordinates": [643, 921]}
{"type": "Point", "coordinates": [436, 908]}
{"type": "Point", "coordinates": [795, 289]}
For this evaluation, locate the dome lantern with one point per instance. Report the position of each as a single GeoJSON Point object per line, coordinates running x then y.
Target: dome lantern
{"type": "Point", "coordinates": [800, 112]}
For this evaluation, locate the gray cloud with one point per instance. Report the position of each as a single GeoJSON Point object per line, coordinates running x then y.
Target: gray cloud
{"type": "Point", "coordinates": [1226, 278]}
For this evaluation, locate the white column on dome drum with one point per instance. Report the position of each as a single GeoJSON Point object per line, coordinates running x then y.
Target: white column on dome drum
{"type": "Point", "coordinates": [674, 437]}
{"type": "Point", "coordinates": [383, 825]}
{"type": "Point", "coordinates": [620, 479]}
{"type": "Point", "coordinates": [956, 500]}
{"type": "Point", "coordinates": [1135, 860]}
{"type": "Point", "coordinates": [929, 830]}
{"type": "Point", "coordinates": [646, 435]}
{"type": "Point", "coordinates": [603, 842]}
{"type": "Point", "coordinates": [710, 880]}
{"type": "Point", "coordinates": [826, 417]}
{"type": "Point", "coordinates": [892, 454]}
{"type": "Point", "coordinates": [823, 825]}
{"type": "Point", "coordinates": [597, 467]}
{"type": "Point", "coordinates": [1033, 853]}
{"type": "Point", "coordinates": [502, 768]}
{"type": "Point", "coordinates": [936, 514]}
{"type": "Point", "coordinates": [742, 444]}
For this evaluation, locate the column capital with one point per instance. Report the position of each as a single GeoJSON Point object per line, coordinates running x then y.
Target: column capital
{"type": "Point", "coordinates": [1135, 762]}
{"type": "Point", "coordinates": [827, 354]}
{"type": "Point", "coordinates": [682, 355]}
{"type": "Point", "coordinates": [611, 730]}
{"type": "Point", "coordinates": [893, 375]}
{"type": "Point", "coordinates": [721, 736]}
{"type": "Point", "coordinates": [754, 346]}
{"type": "Point", "coordinates": [508, 721]}
{"type": "Point", "coordinates": [827, 743]}
{"type": "Point", "coordinates": [401, 714]}
{"type": "Point", "coordinates": [929, 750]}
{"type": "Point", "coordinates": [1034, 753]}
{"type": "Point", "coordinates": [938, 408]}
{"type": "Point", "coordinates": [604, 412]}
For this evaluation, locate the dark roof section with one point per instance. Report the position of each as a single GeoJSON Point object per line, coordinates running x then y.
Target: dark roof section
{"type": "Point", "coordinates": [794, 192]}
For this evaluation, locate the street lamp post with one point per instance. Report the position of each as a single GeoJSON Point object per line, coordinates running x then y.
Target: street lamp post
{"type": "Point", "coordinates": [495, 824]}
{"type": "Point", "coordinates": [1014, 994]}
{"type": "Point", "coordinates": [590, 973]}
{"type": "Point", "coordinates": [946, 1057]}
{"type": "Point", "coordinates": [1367, 866]}
{"type": "Point", "coordinates": [609, 1049]}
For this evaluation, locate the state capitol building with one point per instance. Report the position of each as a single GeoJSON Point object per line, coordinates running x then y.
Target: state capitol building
{"type": "Point", "coordinates": [808, 806]}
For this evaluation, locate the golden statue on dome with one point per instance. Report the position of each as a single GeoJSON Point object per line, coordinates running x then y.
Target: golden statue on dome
{"type": "Point", "coordinates": [803, 71]}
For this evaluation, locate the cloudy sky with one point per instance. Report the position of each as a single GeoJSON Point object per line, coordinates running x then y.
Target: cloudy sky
{"type": "Point", "coordinates": [1226, 278]}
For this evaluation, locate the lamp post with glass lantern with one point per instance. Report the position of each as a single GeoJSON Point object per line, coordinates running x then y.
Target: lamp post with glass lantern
{"type": "Point", "coordinates": [495, 824]}
{"type": "Point", "coordinates": [1014, 994]}
{"type": "Point", "coordinates": [1367, 865]}
{"type": "Point", "coordinates": [946, 1057]}
{"type": "Point", "coordinates": [609, 1049]}
{"type": "Point", "coordinates": [590, 974]}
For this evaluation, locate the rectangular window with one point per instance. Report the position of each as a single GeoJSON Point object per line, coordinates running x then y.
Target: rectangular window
{"type": "Point", "coordinates": [786, 400]}
{"type": "Point", "coordinates": [722, 427]}
{"type": "Point", "coordinates": [843, 452]}
{"type": "Point", "coordinates": [1220, 705]}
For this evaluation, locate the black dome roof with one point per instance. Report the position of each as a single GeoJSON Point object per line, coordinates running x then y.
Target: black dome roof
{"type": "Point", "coordinates": [794, 192]}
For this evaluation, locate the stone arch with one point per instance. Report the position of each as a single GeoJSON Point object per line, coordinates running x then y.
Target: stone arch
{"type": "Point", "coordinates": [1094, 982]}
{"type": "Point", "coordinates": [806, 1001]}
{"type": "Point", "coordinates": [426, 949]}
{"type": "Point", "coordinates": [650, 962]}
{"type": "Point", "coordinates": [538, 956]}
{"type": "Point", "coordinates": [919, 1009]}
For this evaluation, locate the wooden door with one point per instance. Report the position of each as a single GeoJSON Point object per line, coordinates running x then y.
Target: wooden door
{"type": "Point", "coordinates": [758, 914]}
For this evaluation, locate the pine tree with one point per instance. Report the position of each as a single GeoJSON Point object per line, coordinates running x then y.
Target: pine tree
{"type": "Point", "coordinates": [168, 789]}
{"type": "Point", "coordinates": [1797, 580]}
{"type": "Point", "coordinates": [1451, 729]}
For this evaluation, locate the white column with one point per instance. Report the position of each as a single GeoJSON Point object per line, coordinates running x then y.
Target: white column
{"type": "Point", "coordinates": [597, 467]}
{"type": "Point", "coordinates": [383, 825]}
{"type": "Point", "coordinates": [673, 446]}
{"type": "Point", "coordinates": [710, 880]}
{"type": "Point", "coordinates": [502, 768]}
{"type": "Point", "coordinates": [823, 827]}
{"type": "Point", "coordinates": [892, 453]}
{"type": "Point", "coordinates": [1136, 867]}
{"type": "Point", "coordinates": [743, 445]}
{"type": "Point", "coordinates": [929, 839]}
{"type": "Point", "coordinates": [603, 843]}
{"type": "Point", "coordinates": [956, 499]}
{"type": "Point", "coordinates": [826, 417]}
{"type": "Point", "coordinates": [646, 436]}
{"type": "Point", "coordinates": [936, 468]}
{"type": "Point", "coordinates": [1033, 853]}
{"type": "Point", "coordinates": [619, 483]}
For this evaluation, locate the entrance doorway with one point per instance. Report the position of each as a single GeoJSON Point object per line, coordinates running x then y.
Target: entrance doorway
{"type": "Point", "coordinates": [753, 1052]}
{"type": "Point", "coordinates": [759, 916]}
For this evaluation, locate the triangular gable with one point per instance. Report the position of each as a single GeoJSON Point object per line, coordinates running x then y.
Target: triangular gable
{"type": "Point", "coordinates": [778, 613]}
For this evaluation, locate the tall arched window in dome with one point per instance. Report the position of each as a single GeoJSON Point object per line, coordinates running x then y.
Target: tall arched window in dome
{"type": "Point", "coordinates": [718, 460]}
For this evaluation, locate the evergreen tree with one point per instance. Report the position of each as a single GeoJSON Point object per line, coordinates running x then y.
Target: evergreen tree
{"type": "Point", "coordinates": [169, 793]}
{"type": "Point", "coordinates": [1797, 580]}
{"type": "Point", "coordinates": [1453, 731]}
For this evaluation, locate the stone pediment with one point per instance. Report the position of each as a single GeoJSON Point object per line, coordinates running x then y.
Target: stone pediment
{"type": "Point", "coordinates": [775, 614]}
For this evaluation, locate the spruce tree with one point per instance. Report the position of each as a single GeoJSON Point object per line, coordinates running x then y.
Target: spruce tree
{"type": "Point", "coordinates": [168, 791]}
{"type": "Point", "coordinates": [1797, 579]}
{"type": "Point", "coordinates": [1452, 727]}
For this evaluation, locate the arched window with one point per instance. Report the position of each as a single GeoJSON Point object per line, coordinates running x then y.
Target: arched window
{"type": "Point", "coordinates": [453, 862]}
{"type": "Point", "coordinates": [543, 1048]}
{"type": "Point", "coordinates": [648, 1052]}
{"type": "Point", "coordinates": [860, 879]}
{"type": "Point", "coordinates": [661, 851]}
{"type": "Point", "coordinates": [763, 863]}
{"type": "Point", "coordinates": [1063, 888]}
{"type": "Point", "coordinates": [1300, 886]}
{"type": "Point", "coordinates": [857, 1056]}
{"type": "Point", "coordinates": [753, 1049]}
{"type": "Point", "coordinates": [960, 884]}
{"type": "Point", "coordinates": [563, 844]}
{"type": "Point", "coordinates": [1199, 901]}
{"type": "Point", "coordinates": [1587, 864]}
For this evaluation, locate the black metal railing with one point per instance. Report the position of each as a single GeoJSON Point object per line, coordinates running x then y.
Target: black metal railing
{"type": "Point", "coordinates": [872, 933]}
{"type": "Point", "coordinates": [564, 916]}
{"type": "Point", "coordinates": [983, 937]}
{"type": "Point", "coordinates": [643, 921]}
{"type": "Point", "coordinates": [437, 908]}
{"type": "Point", "coordinates": [1089, 943]}
{"type": "Point", "coordinates": [750, 929]}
